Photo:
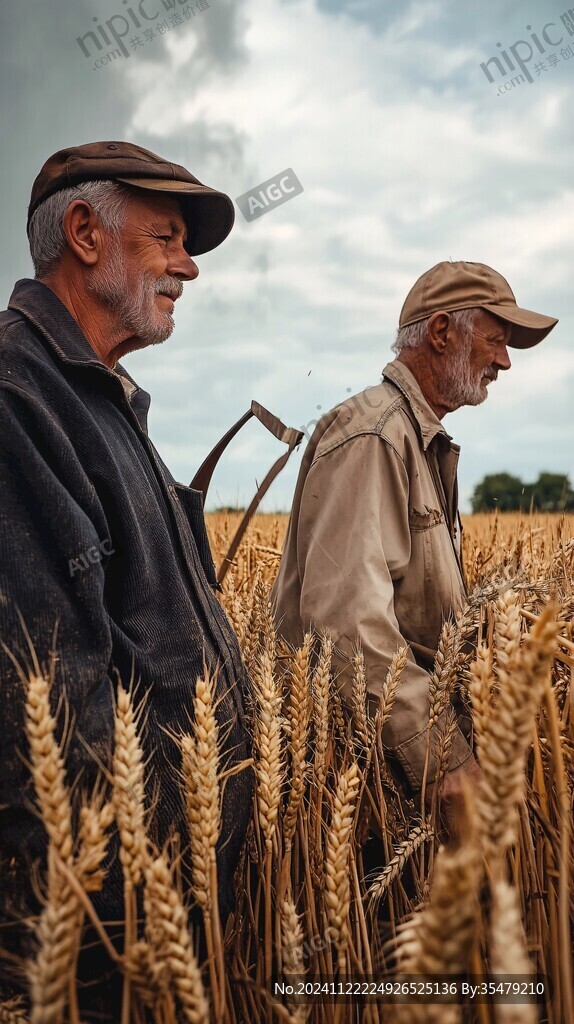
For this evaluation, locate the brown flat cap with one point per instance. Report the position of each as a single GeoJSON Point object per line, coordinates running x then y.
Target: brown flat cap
{"type": "Point", "coordinates": [451, 286]}
{"type": "Point", "coordinates": [209, 215]}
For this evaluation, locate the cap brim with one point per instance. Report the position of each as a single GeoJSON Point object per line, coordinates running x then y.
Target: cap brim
{"type": "Point", "coordinates": [209, 215]}
{"type": "Point", "coordinates": [528, 328]}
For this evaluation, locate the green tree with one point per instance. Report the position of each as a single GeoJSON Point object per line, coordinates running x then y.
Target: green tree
{"type": "Point", "coordinates": [552, 493]}
{"type": "Point", "coordinates": [499, 490]}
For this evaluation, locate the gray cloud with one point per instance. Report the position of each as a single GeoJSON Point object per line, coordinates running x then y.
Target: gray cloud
{"type": "Point", "coordinates": [407, 156]}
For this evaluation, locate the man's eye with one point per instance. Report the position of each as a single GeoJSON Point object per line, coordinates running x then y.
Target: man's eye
{"type": "Point", "coordinates": [164, 238]}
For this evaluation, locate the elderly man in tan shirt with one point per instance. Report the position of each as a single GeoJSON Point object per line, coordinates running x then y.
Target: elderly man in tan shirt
{"type": "Point", "coordinates": [373, 549]}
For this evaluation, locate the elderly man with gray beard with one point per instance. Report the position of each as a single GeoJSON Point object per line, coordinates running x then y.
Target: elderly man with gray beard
{"type": "Point", "coordinates": [105, 571]}
{"type": "Point", "coordinates": [373, 548]}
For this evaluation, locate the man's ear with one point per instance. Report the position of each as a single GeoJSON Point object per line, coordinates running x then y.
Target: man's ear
{"type": "Point", "coordinates": [83, 232]}
{"type": "Point", "coordinates": [437, 331]}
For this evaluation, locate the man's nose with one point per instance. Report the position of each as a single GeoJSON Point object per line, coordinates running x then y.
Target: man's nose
{"type": "Point", "coordinates": [182, 266]}
{"type": "Point", "coordinates": [502, 359]}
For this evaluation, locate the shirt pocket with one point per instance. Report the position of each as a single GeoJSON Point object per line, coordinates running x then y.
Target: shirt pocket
{"type": "Point", "coordinates": [432, 595]}
{"type": "Point", "coordinates": [419, 521]}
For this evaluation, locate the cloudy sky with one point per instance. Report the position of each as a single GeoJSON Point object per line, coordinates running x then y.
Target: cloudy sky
{"type": "Point", "coordinates": [407, 154]}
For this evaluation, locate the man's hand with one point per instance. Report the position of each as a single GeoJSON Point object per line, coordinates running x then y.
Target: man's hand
{"type": "Point", "coordinates": [452, 795]}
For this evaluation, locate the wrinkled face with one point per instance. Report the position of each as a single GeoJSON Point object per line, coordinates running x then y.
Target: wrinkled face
{"type": "Point", "coordinates": [475, 361]}
{"type": "Point", "coordinates": [143, 267]}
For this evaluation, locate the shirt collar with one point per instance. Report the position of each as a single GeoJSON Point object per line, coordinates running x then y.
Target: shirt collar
{"type": "Point", "coordinates": [428, 422]}
{"type": "Point", "coordinates": [67, 342]}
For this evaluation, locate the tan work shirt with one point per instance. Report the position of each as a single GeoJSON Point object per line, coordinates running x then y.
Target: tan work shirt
{"type": "Point", "coordinates": [372, 551]}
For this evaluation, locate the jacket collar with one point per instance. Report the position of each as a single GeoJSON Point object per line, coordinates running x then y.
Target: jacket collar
{"type": "Point", "coordinates": [427, 421]}
{"type": "Point", "coordinates": [68, 344]}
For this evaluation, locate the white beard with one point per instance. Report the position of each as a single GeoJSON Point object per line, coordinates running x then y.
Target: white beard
{"type": "Point", "coordinates": [133, 301]}
{"type": "Point", "coordinates": [462, 386]}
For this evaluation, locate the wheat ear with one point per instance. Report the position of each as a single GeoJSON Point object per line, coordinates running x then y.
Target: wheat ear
{"type": "Point", "coordinates": [59, 928]}
{"type": "Point", "coordinates": [48, 772]}
{"type": "Point", "coordinates": [269, 762]}
{"type": "Point", "coordinates": [338, 845]}
{"type": "Point", "coordinates": [174, 946]}
{"type": "Point", "coordinates": [128, 796]}
{"type": "Point", "coordinates": [442, 677]}
{"type": "Point", "coordinates": [13, 1011]}
{"type": "Point", "coordinates": [292, 955]}
{"type": "Point", "coordinates": [439, 939]}
{"type": "Point", "coordinates": [320, 690]}
{"type": "Point", "coordinates": [95, 820]}
{"type": "Point", "coordinates": [507, 738]}
{"type": "Point", "coordinates": [298, 716]}
{"type": "Point", "coordinates": [148, 974]}
{"type": "Point", "coordinates": [507, 629]}
{"type": "Point", "coordinates": [200, 762]}
{"type": "Point", "coordinates": [363, 727]}
{"type": "Point", "coordinates": [403, 852]}
{"type": "Point", "coordinates": [508, 955]}
{"type": "Point", "coordinates": [390, 685]}
{"type": "Point", "coordinates": [480, 689]}
{"type": "Point", "coordinates": [128, 790]}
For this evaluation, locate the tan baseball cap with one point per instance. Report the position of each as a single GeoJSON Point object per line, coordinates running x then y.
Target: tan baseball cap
{"type": "Point", "coordinates": [209, 214]}
{"type": "Point", "coordinates": [461, 285]}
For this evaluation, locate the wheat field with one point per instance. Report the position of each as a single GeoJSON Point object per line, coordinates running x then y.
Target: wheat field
{"type": "Point", "coordinates": [345, 879]}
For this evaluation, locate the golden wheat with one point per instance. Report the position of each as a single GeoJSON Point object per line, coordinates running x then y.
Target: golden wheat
{"type": "Point", "coordinates": [338, 847]}
{"type": "Point", "coordinates": [128, 789]}
{"type": "Point", "coordinates": [309, 902]}
{"type": "Point", "coordinates": [173, 946]}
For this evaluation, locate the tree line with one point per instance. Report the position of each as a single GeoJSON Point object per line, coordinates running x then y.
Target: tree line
{"type": "Point", "coordinates": [552, 492]}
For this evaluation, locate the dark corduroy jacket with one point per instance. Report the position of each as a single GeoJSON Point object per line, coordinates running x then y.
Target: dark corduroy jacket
{"type": "Point", "coordinates": [100, 542]}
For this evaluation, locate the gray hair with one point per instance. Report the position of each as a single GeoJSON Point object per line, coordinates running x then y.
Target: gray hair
{"type": "Point", "coordinates": [414, 334]}
{"type": "Point", "coordinates": [46, 229]}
